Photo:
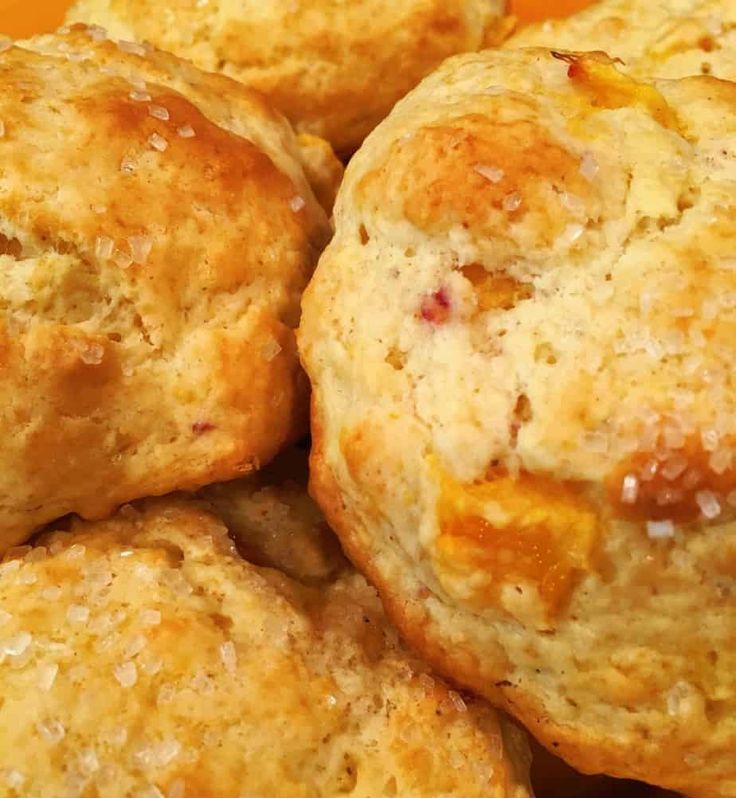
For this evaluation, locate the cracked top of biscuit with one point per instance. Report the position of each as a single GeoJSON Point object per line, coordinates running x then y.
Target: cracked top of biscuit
{"type": "Point", "coordinates": [334, 68]}
{"type": "Point", "coordinates": [156, 232]}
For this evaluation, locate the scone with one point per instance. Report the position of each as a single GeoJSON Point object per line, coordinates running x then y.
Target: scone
{"type": "Point", "coordinates": [156, 233]}
{"type": "Point", "coordinates": [275, 523]}
{"type": "Point", "coordinates": [322, 168]}
{"type": "Point", "coordinates": [521, 348]}
{"type": "Point", "coordinates": [140, 656]}
{"type": "Point", "coordinates": [335, 68]}
{"type": "Point", "coordinates": [662, 38]}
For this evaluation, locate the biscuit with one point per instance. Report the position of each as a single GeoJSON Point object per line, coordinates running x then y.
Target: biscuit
{"type": "Point", "coordinates": [274, 522]}
{"type": "Point", "coordinates": [322, 168]}
{"type": "Point", "coordinates": [334, 68]}
{"type": "Point", "coordinates": [156, 232]}
{"type": "Point", "coordinates": [142, 656]}
{"type": "Point", "coordinates": [520, 349]}
{"type": "Point", "coordinates": [653, 38]}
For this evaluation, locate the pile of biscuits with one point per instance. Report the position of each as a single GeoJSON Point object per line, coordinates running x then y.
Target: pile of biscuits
{"type": "Point", "coordinates": [499, 346]}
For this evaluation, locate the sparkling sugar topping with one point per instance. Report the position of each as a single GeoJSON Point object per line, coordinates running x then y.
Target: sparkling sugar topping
{"type": "Point", "coordinates": [137, 82]}
{"type": "Point", "coordinates": [571, 234]}
{"type": "Point", "coordinates": [229, 656]}
{"type": "Point", "coordinates": [660, 530]}
{"type": "Point", "coordinates": [126, 674]}
{"type": "Point", "coordinates": [97, 33]}
{"type": "Point", "coordinates": [91, 353]}
{"type": "Point", "coordinates": [512, 202]}
{"type": "Point", "coordinates": [457, 701]}
{"type": "Point", "coordinates": [123, 259]}
{"type": "Point", "coordinates": [104, 247]}
{"type": "Point", "coordinates": [708, 503]}
{"type": "Point", "coordinates": [159, 112]}
{"type": "Point", "coordinates": [679, 473]}
{"type": "Point", "coordinates": [270, 349]}
{"type": "Point", "coordinates": [140, 248]}
{"type": "Point", "coordinates": [150, 617]}
{"type": "Point", "coordinates": [86, 617]}
{"type": "Point", "coordinates": [47, 676]}
{"type": "Point", "coordinates": [491, 173]}
{"type": "Point", "coordinates": [15, 646]}
{"type": "Point", "coordinates": [14, 779]}
{"type": "Point", "coordinates": [589, 167]}
{"type": "Point", "coordinates": [630, 489]}
{"type": "Point", "coordinates": [158, 142]}
{"type": "Point", "coordinates": [52, 731]}
{"type": "Point", "coordinates": [132, 47]}
{"type": "Point", "coordinates": [77, 614]}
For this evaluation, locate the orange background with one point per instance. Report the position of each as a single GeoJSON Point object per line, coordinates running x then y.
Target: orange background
{"type": "Point", "coordinates": [533, 10]}
{"type": "Point", "coordinates": [24, 17]}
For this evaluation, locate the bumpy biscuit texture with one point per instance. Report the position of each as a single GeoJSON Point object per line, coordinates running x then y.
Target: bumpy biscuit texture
{"type": "Point", "coordinates": [142, 656]}
{"type": "Point", "coordinates": [653, 38]}
{"type": "Point", "coordinates": [156, 233]}
{"type": "Point", "coordinates": [335, 68]}
{"type": "Point", "coordinates": [520, 343]}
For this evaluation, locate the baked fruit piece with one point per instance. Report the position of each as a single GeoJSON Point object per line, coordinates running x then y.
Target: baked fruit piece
{"type": "Point", "coordinates": [334, 68]}
{"type": "Point", "coordinates": [156, 233]}
{"type": "Point", "coordinates": [663, 38]}
{"type": "Point", "coordinates": [142, 656]}
{"type": "Point", "coordinates": [520, 343]}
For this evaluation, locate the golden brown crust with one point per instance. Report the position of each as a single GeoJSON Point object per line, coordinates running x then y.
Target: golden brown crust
{"type": "Point", "coordinates": [501, 341]}
{"type": "Point", "coordinates": [142, 656]}
{"type": "Point", "coordinates": [335, 69]}
{"type": "Point", "coordinates": [156, 232]}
